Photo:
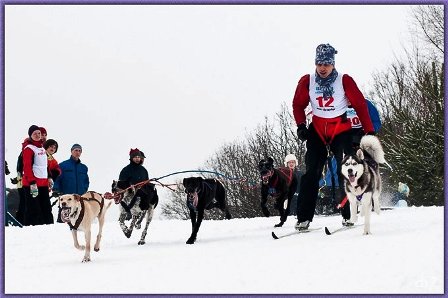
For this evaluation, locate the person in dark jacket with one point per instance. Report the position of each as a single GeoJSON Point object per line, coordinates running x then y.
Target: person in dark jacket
{"type": "Point", "coordinates": [74, 178]}
{"type": "Point", "coordinates": [292, 163]}
{"type": "Point", "coordinates": [134, 173]}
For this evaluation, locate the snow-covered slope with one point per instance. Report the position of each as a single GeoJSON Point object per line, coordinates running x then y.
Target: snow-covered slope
{"type": "Point", "coordinates": [405, 254]}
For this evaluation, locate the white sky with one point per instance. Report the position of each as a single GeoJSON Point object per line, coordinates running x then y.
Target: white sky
{"type": "Point", "coordinates": [175, 81]}
{"type": "Point", "coordinates": [404, 255]}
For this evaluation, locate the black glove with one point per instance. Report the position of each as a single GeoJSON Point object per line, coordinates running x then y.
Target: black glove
{"type": "Point", "coordinates": [14, 180]}
{"type": "Point", "coordinates": [302, 132]}
{"type": "Point", "coordinates": [265, 211]}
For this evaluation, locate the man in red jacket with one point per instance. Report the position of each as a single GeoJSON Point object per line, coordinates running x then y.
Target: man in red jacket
{"type": "Point", "coordinates": [329, 93]}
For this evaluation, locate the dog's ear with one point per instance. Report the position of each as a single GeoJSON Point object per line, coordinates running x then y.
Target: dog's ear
{"type": "Point", "coordinates": [360, 154]}
{"type": "Point", "coordinates": [185, 181]}
{"type": "Point", "coordinates": [77, 197]}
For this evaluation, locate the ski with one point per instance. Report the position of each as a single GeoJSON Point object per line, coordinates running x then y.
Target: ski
{"type": "Point", "coordinates": [343, 228]}
{"type": "Point", "coordinates": [275, 236]}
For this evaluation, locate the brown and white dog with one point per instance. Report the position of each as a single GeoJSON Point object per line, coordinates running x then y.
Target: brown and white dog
{"type": "Point", "coordinates": [79, 212]}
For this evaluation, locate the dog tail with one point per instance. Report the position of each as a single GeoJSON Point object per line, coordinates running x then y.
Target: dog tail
{"type": "Point", "coordinates": [372, 146]}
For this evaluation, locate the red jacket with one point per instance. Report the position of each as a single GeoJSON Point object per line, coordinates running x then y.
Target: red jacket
{"type": "Point", "coordinates": [28, 160]}
{"type": "Point", "coordinates": [329, 127]}
{"type": "Point", "coordinates": [53, 167]}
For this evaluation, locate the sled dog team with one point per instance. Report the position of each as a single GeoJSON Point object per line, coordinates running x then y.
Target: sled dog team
{"type": "Point", "coordinates": [329, 132]}
{"type": "Point", "coordinates": [362, 184]}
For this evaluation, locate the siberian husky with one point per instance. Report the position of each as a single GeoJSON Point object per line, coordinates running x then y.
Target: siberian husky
{"type": "Point", "coordinates": [362, 179]}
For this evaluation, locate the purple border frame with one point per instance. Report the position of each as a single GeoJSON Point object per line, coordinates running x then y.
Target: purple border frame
{"type": "Point", "coordinates": [188, 2]}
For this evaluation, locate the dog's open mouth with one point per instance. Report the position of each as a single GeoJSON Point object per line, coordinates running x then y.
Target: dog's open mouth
{"type": "Point", "coordinates": [352, 178]}
{"type": "Point", "coordinates": [65, 214]}
{"type": "Point", "coordinates": [193, 199]}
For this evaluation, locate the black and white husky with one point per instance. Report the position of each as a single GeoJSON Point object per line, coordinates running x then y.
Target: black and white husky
{"type": "Point", "coordinates": [137, 203]}
{"type": "Point", "coordinates": [362, 179]}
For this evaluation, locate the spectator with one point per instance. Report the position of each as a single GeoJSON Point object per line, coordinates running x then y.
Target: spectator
{"type": "Point", "coordinates": [292, 163]}
{"type": "Point", "coordinates": [357, 130]}
{"type": "Point", "coordinates": [74, 178]}
{"type": "Point", "coordinates": [51, 147]}
{"type": "Point", "coordinates": [328, 92]}
{"type": "Point", "coordinates": [37, 207]}
{"type": "Point", "coordinates": [18, 180]}
{"type": "Point", "coordinates": [43, 131]}
{"type": "Point", "coordinates": [400, 197]}
{"type": "Point", "coordinates": [329, 190]}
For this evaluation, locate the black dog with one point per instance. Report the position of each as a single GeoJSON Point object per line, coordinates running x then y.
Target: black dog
{"type": "Point", "coordinates": [203, 194]}
{"type": "Point", "coordinates": [136, 204]}
{"type": "Point", "coordinates": [280, 183]}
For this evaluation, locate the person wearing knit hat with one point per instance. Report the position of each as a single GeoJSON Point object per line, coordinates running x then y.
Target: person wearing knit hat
{"type": "Point", "coordinates": [74, 177]}
{"type": "Point", "coordinates": [76, 146]}
{"type": "Point", "coordinates": [32, 129]}
{"type": "Point", "coordinates": [132, 174]}
{"type": "Point", "coordinates": [44, 133]}
{"type": "Point", "coordinates": [134, 153]}
{"type": "Point", "coordinates": [292, 163]}
{"type": "Point", "coordinates": [36, 204]}
{"type": "Point", "coordinates": [328, 92]}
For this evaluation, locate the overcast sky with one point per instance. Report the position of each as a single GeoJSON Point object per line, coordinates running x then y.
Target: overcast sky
{"type": "Point", "coordinates": [176, 82]}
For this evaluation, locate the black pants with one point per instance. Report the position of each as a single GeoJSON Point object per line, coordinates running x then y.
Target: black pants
{"type": "Point", "coordinates": [315, 158]}
{"type": "Point", "coordinates": [37, 210]}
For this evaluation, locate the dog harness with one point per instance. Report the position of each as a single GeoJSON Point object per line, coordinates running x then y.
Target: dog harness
{"type": "Point", "coordinates": [81, 213]}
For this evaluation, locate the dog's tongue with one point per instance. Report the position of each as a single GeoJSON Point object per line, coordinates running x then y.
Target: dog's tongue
{"type": "Point", "coordinates": [352, 179]}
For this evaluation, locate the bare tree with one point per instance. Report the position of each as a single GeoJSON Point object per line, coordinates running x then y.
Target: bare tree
{"type": "Point", "coordinates": [237, 164]}
{"type": "Point", "coordinates": [411, 95]}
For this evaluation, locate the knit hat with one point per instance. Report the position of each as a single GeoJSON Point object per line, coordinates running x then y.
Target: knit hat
{"type": "Point", "coordinates": [325, 54]}
{"type": "Point", "coordinates": [403, 188]}
{"type": "Point", "coordinates": [32, 129]}
{"type": "Point", "coordinates": [290, 157]}
{"type": "Point", "coordinates": [142, 154]}
{"type": "Point", "coordinates": [51, 142]}
{"type": "Point", "coordinates": [76, 146]}
{"type": "Point", "coordinates": [134, 152]}
{"type": "Point", "coordinates": [43, 130]}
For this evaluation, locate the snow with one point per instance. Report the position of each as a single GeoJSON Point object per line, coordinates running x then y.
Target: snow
{"type": "Point", "coordinates": [404, 255]}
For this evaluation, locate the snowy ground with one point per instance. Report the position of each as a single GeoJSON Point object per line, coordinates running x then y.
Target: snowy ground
{"type": "Point", "coordinates": [404, 255]}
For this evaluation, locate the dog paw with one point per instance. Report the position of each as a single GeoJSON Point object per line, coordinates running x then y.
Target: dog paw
{"type": "Point", "coordinates": [81, 247]}
{"type": "Point", "coordinates": [278, 225]}
{"type": "Point", "coordinates": [191, 240]}
{"type": "Point", "coordinates": [86, 259]}
{"type": "Point", "coordinates": [141, 242]}
{"type": "Point", "coordinates": [96, 249]}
